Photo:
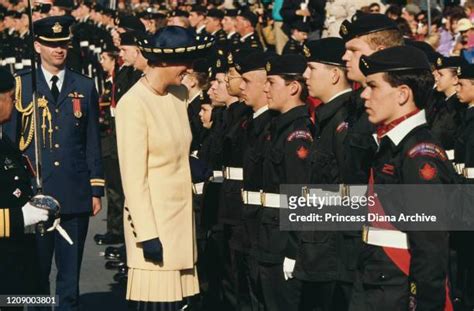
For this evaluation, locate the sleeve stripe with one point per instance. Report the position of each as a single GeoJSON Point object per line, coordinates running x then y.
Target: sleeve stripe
{"type": "Point", "coordinates": [97, 184]}
{"type": "Point", "coordinates": [7, 222]}
{"type": "Point", "coordinates": [97, 180]}
{"type": "Point", "coordinates": [2, 223]}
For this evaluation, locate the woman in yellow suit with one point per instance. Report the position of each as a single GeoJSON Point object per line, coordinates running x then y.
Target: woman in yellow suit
{"type": "Point", "coordinates": [154, 137]}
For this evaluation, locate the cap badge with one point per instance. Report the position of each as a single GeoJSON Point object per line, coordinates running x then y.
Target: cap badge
{"type": "Point", "coordinates": [218, 63]}
{"type": "Point", "coordinates": [57, 28]}
{"type": "Point", "coordinates": [344, 30]}
{"type": "Point", "coordinates": [459, 71]}
{"type": "Point", "coordinates": [439, 61]}
{"type": "Point", "coordinates": [306, 51]}
{"type": "Point", "coordinates": [230, 59]}
{"type": "Point", "coordinates": [268, 67]}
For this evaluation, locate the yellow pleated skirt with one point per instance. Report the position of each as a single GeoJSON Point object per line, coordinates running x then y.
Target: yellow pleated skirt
{"type": "Point", "coordinates": [161, 286]}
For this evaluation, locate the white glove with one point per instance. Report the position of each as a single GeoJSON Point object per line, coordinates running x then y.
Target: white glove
{"type": "Point", "coordinates": [33, 215]}
{"type": "Point", "coordinates": [288, 267]}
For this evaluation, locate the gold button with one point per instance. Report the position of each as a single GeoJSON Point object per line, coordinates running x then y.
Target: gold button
{"type": "Point", "coordinates": [56, 128]}
{"type": "Point", "coordinates": [56, 163]}
{"type": "Point", "coordinates": [56, 145]}
{"type": "Point", "coordinates": [57, 110]}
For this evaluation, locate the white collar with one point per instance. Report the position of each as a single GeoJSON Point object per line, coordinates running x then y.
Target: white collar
{"type": "Point", "coordinates": [230, 34]}
{"type": "Point", "coordinates": [470, 106]}
{"type": "Point", "coordinates": [195, 96]}
{"type": "Point", "coordinates": [260, 111]}
{"type": "Point", "coordinates": [399, 132]}
{"type": "Point", "coordinates": [448, 97]}
{"type": "Point", "coordinates": [200, 28]}
{"type": "Point", "coordinates": [246, 36]}
{"type": "Point", "coordinates": [339, 94]}
{"type": "Point", "coordinates": [48, 76]}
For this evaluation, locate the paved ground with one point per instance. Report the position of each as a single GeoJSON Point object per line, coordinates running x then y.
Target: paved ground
{"type": "Point", "coordinates": [98, 289]}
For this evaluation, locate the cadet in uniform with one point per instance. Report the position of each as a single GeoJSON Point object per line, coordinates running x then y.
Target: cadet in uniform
{"type": "Point", "coordinates": [285, 161]}
{"type": "Point", "coordinates": [214, 28]}
{"type": "Point", "coordinates": [245, 26]}
{"type": "Point", "coordinates": [18, 262]}
{"type": "Point", "coordinates": [197, 17]}
{"type": "Point", "coordinates": [445, 116]}
{"type": "Point", "coordinates": [400, 270]}
{"type": "Point", "coordinates": [320, 261]}
{"type": "Point", "coordinates": [299, 34]}
{"type": "Point", "coordinates": [229, 26]}
{"type": "Point", "coordinates": [364, 35]}
{"type": "Point", "coordinates": [71, 163]}
{"type": "Point", "coordinates": [464, 156]}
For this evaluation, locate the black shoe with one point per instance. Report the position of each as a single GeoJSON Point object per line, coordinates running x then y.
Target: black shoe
{"type": "Point", "coordinates": [115, 253]}
{"type": "Point", "coordinates": [121, 276]}
{"type": "Point", "coordinates": [114, 265]}
{"type": "Point", "coordinates": [108, 238]}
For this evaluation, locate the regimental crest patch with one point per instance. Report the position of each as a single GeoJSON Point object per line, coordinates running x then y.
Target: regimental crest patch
{"type": "Point", "coordinates": [428, 171]}
{"type": "Point", "coordinates": [302, 152]}
{"type": "Point", "coordinates": [306, 135]}
{"type": "Point", "coordinates": [427, 150]}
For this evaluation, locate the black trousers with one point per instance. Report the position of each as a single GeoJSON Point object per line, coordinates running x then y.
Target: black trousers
{"type": "Point", "coordinates": [278, 293]}
{"type": "Point", "coordinates": [115, 196]}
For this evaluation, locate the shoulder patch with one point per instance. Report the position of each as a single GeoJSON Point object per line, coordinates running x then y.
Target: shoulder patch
{"type": "Point", "coordinates": [300, 135]}
{"type": "Point", "coordinates": [427, 171]}
{"type": "Point", "coordinates": [342, 127]}
{"type": "Point", "coordinates": [427, 150]}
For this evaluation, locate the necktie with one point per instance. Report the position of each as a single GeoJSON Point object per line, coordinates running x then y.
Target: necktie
{"type": "Point", "coordinates": [54, 88]}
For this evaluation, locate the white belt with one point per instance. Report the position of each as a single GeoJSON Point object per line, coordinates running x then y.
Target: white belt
{"type": "Point", "coordinates": [344, 190]}
{"type": "Point", "coordinates": [459, 167]}
{"type": "Point", "coordinates": [385, 237]}
{"type": "Point", "coordinates": [274, 200]}
{"type": "Point", "coordinates": [19, 66]}
{"type": "Point", "coordinates": [26, 62]}
{"type": "Point", "coordinates": [450, 154]}
{"type": "Point", "coordinates": [469, 172]}
{"type": "Point", "coordinates": [10, 60]}
{"type": "Point", "coordinates": [198, 187]}
{"type": "Point", "coordinates": [233, 173]}
{"type": "Point", "coordinates": [91, 47]}
{"type": "Point", "coordinates": [83, 44]}
{"type": "Point", "coordinates": [252, 197]}
{"type": "Point", "coordinates": [98, 50]}
{"type": "Point", "coordinates": [217, 176]}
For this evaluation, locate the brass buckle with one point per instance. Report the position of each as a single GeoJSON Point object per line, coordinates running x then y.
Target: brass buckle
{"type": "Point", "coordinates": [365, 233]}
{"type": "Point", "coordinates": [262, 198]}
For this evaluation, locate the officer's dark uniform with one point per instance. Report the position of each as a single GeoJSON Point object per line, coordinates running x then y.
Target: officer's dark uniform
{"type": "Point", "coordinates": [220, 35]}
{"type": "Point", "coordinates": [445, 117]}
{"type": "Point", "coordinates": [294, 46]}
{"type": "Point", "coordinates": [285, 161]}
{"type": "Point", "coordinates": [324, 258]}
{"type": "Point", "coordinates": [72, 167]}
{"type": "Point", "coordinates": [415, 272]}
{"type": "Point", "coordinates": [249, 41]}
{"type": "Point", "coordinates": [464, 159]}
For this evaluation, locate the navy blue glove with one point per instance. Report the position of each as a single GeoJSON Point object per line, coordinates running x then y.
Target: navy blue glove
{"type": "Point", "coordinates": [153, 250]}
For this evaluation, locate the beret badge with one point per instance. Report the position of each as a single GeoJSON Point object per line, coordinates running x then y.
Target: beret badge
{"type": "Point", "coordinates": [439, 61]}
{"type": "Point", "coordinates": [57, 28]}
{"type": "Point", "coordinates": [365, 63]}
{"type": "Point", "coordinates": [459, 71]}
{"type": "Point", "coordinates": [268, 67]}
{"type": "Point", "coordinates": [218, 63]}
{"type": "Point", "coordinates": [344, 30]}
{"type": "Point", "coordinates": [306, 51]}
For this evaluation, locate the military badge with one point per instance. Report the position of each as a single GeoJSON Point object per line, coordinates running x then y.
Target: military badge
{"type": "Point", "coordinates": [344, 30]}
{"type": "Point", "coordinates": [306, 51]}
{"type": "Point", "coordinates": [230, 59]}
{"type": "Point", "coordinates": [57, 28]}
{"type": "Point", "coordinates": [218, 63]}
{"type": "Point", "coordinates": [365, 63]}
{"type": "Point", "coordinates": [237, 66]}
{"type": "Point", "coordinates": [76, 104]}
{"type": "Point", "coordinates": [439, 62]}
{"type": "Point", "coordinates": [459, 71]}
{"type": "Point", "coordinates": [268, 67]}
{"type": "Point", "coordinates": [17, 193]}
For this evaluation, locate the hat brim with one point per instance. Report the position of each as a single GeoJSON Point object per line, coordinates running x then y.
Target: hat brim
{"type": "Point", "coordinates": [182, 54]}
{"type": "Point", "coordinates": [54, 40]}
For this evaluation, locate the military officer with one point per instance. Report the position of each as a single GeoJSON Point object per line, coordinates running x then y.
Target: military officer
{"type": "Point", "coordinates": [445, 117]}
{"type": "Point", "coordinates": [464, 157]}
{"type": "Point", "coordinates": [18, 263]}
{"type": "Point", "coordinates": [363, 35]}
{"type": "Point", "coordinates": [402, 270]}
{"type": "Point", "coordinates": [285, 161]}
{"type": "Point", "coordinates": [246, 24]}
{"type": "Point", "coordinates": [71, 163]}
{"type": "Point", "coordinates": [320, 263]}
{"type": "Point", "coordinates": [299, 34]}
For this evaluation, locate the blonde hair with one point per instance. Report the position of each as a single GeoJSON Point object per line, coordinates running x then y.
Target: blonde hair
{"type": "Point", "coordinates": [385, 38]}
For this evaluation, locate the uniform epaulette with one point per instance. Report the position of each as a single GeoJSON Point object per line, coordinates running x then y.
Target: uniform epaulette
{"type": "Point", "coordinates": [79, 73]}
{"type": "Point", "coordinates": [23, 72]}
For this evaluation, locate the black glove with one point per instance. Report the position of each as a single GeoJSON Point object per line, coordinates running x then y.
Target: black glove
{"type": "Point", "coordinates": [153, 250]}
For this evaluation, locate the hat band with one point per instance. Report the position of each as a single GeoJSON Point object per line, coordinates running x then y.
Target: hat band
{"type": "Point", "coordinates": [176, 50]}
{"type": "Point", "coordinates": [327, 62]}
{"type": "Point", "coordinates": [54, 39]}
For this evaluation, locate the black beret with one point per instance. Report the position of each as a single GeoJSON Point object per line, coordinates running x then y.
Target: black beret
{"type": "Point", "coordinates": [7, 82]}
{"type": "Point", "coordinates": [66, 4]}
{"type": "Point", "coordinates": [109, 47]}
{"type": "Point", "coordinates": [130, 22]}
{"type": "Point", "coordinates": [327, 51]}
{"type": "Point", "coordinates": [201, 65]}
{"type": "Point", "coordinates": [98, 8]}
{"type": "Point", "coordinates": [220, 65]}
{"type": "Point", "coordinates": [199, 9]}
{"type": "Point", "coordinates": [301, 26]}
{"type": "Point", "coordinates": [43, 8]}
{"type": "Point", "coordinates": [231, 13]}
{"type": "Point", "coordinates": [363, 24]}
{"type": "Point", "coordinates": [17, 14]}
{"type": "Point", "coordinates": [109, 12]}
{"type": "Point", "coordinates": [130, 37]}
{"type": "Point", "coordinates": [176, 44]}
{"type": "Point", "coordinates": [10, 13]}
{"type": "Point", "coordinates": [466, 71]}
{"type": "Point", "coordinates": [249, 15]}
{"type": "Point", "coordinates": [426, 48]}
{"type": "Point", "coordinates": [53, 28]}
{"type": "Point", "coordinates": [398, 58]}
{"type": "Point", "coordinates": [249, 60]}
{"type": "Point", "coordinates": [216, 13]}
{"type": "Point", "coordinates": [449, 62]}
{"type": "Point", "coordinates": [179, 13]}
{"type": "Point", "coordinates": [288, 64]}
